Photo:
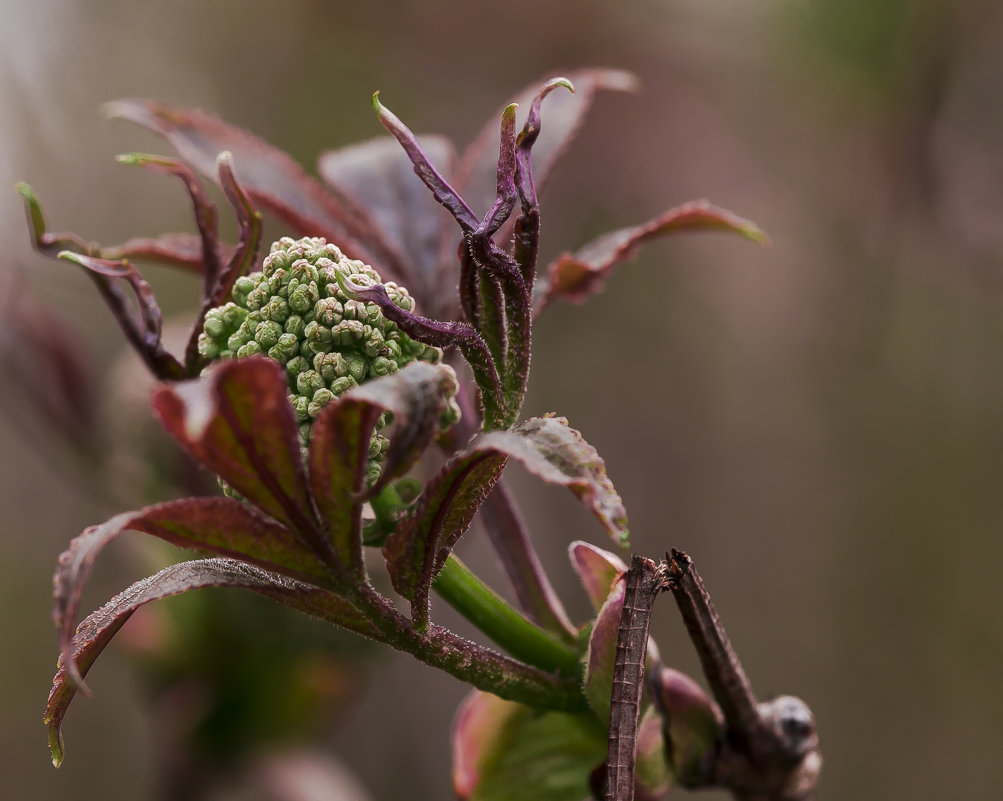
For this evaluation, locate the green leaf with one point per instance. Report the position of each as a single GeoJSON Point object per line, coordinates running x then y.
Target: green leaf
{"type": "Point", "coordinates": [503, 751]}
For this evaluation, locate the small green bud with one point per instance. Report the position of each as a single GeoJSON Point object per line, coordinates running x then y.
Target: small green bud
{"type": "Point", "coordinates": [251, 348]}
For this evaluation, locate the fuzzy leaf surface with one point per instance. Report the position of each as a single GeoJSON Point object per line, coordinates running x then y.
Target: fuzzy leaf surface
{"type": "Point", "coordinates": [576, 276]}
{"type": "Point", "coordinates": [95, 632]}
{"type": "Point", "coordinates": [238, 422]}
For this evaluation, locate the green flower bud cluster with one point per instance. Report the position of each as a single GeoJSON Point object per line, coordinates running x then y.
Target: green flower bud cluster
{"type": "Point", "coordinates": [294, 311]}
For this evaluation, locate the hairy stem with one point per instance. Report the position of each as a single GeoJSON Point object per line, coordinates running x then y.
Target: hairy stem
{"type": "Point", "coordinates": [471, 663]}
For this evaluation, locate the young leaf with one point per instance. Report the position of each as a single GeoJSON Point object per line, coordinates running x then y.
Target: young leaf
{"type": "Point", "coordinates": [238, 422]}
{"type": "Point", "coordinates": [597, 569]}
{"type": "Point", "coordinates": [176, 250]}
{"type": "Point", "coordinates": [546, 446]}
{"type": "Point", "coordinates": [504, 751]}
{"type": "Point", "coordinates": [144, 335]}
{"type": "Point", "coordinates": [553, 451]}
{"type": "Point", "coordinates": [416, 397]}
{"type": "Point", "coordinates": [654, 774]}
{"type": "Point", "coordinates": [565, 114]}
{"type": "Point", "coordinates": [272, 179]}
{"type": "Point", "coordinates": [222, 525]}
{"type": "Point", "coordinates": [379, 177]}
{"type": "Point", "coordinates": [600, 658]}
{"type": "Point", "coordinates": [576, 276]}
{"type": "Point", "coordinates": [97, 629]}
{"type": "Point", "coordinates": [339, 453]}
{"type": "Point", "coordinates": [417, 550]}
{"type": "Point", "coordinates": [206, 216]}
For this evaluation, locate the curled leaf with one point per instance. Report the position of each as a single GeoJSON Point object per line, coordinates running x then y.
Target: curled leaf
{"type": "Point", "coordinates": [206, 216]}
{"type": "Point", "coordinates": [271, 178]}
{"type": "Point", "coordinates": [565, 114]}
{"type": "Point", "coordinates": [576, 276]}
{"type": "Point", "coordinates": [552, 450]}
{"type": "Point", "coordinates": [95, 632]}
{"type": "Point", "coordinates": [417, 550]}
{"type": "Point", "coordinates": [145, 334]}
{"type": "Point", "coordinates": [597, 569]}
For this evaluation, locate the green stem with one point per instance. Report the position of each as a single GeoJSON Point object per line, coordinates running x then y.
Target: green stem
{"type": "Point", "coordinates": [492, 615]}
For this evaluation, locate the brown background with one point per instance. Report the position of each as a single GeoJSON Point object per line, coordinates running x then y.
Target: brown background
{"type": "Point", "coordinates": [819, 423]}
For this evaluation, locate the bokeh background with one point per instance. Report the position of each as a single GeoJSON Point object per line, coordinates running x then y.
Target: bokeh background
{"type": "Point", "coordinates": [819, 423]}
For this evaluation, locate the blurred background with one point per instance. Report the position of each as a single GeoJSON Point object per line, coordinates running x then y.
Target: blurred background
{"type": "Point", "coordinates": [818, 423]}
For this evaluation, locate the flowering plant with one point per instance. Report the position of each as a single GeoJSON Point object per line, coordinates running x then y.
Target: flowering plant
{"type": "Point", "coordinates": [312, 386]}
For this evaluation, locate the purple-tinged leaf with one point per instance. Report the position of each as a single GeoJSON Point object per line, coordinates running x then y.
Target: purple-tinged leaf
{"type": "Point", "coordinates": [417, 550]}
{"type": "Point", "coordinates": [238, 422]}
{"type": "Point", "coordinates": [565, 114]}
{"type": "Point", "coordinates": [223, 526]}
{"type": "Point", "coordinates": [271, 178]}
{"type": "Point", "coordinates": [47, 243]}
{"type": "Point", "coordinates": [95, 632]}
{"type": "Point", "coordinates": [527, 225]}
{"type": "Point", "coordinates": [206, 216]}
{"type": "Point", "coordinates": [505, 191]}
{"type": "Point", "coordinates": [547, 447]}
{"type": "Point", "coordinates": [417, 397]}
{"type": "Point", "coordinates": [249, 238]}
{"type": "Point", "coordinates": [339, 454]}
{"type": "Point", "coordinates": [575, 276]}
{"type": "Point", "coordinates": [219, 283]}
{"type": "Point", "coordinates": [425, 170]}
{"type": "Point", "coordinates": [691, 720]}
{"type": "Point", "coordinates": [597, 569]}
{"type": "Point", "coordinates": [503, 751]}
{"type": "Point", "coordinates": [553, 451]}
{"type": "Point", "coordinates": [176, 250]}
{"type": "Point", "coordinates": [379, 177]}
{"type": "Point", "coordinates": [144, 334]}
{"type": "Point", "coordinates": [600, 658]}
